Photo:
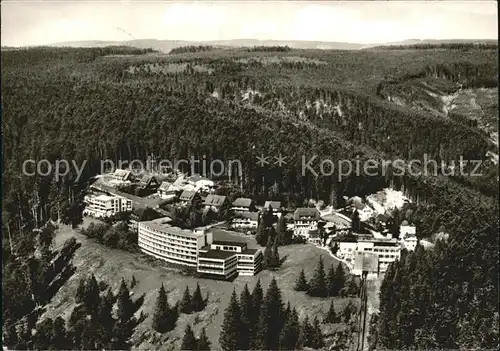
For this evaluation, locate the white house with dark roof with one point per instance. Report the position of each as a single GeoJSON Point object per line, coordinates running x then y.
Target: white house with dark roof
{"type": "Point", "coordinates": [245, 220]}
{"type": "Point", "coordinates": [167, 190]}
{"type": "Point", "coordinates": [305, 220]}
{"type": "Point", "coordinates": [242, 204]}
{"type": "Point", "coordinates": [275, 205]}
{"type": "Point", "coordinates": [122, 175]}
{"type": "Point", "coordinates": [200, 183]}
{"type": "Point", "coordinates": [214, 202]}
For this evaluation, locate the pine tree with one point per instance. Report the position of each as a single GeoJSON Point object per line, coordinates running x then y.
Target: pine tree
{"type": "Point", "coordinates": [331, 316]}
{"type": "Point", "coordinates": [203, 342]}
{"type": "Point", "coordinates": [80, 291]}
{"type": "Point", "coordinates": [262, 234]}
{"type": "Point", "coordinates": [281, 231]}
{"type": "Point", "coordinates": [339, 280]}
{"type": "Point", "coordinates": [289, 335]}
{"type": "Point", "coordinates": [317, 285]}
{"type": "Point", "coordinates": [246, 318]}
{"type": "Point", "coordinates": [308, 332]}
{"type": "Point", "coordinates": [352, 288]}
{"type": "Point", "coordinates": [91, 295]}
{"type": "Point", "coordinates": [197, 303]}
{"type": "Point", "coordinates": [257, 298]}
{"type": "Point", "coordinates": [301, 283]}
{"type": "Point", "coordinates": [318, 340]}
{"type": "Point", "coordinates": [185, 305]}
{"type": "Point", "coordinates": [189, 341]}
{"type": "Point", "coordinates": [105, 318]}
{"type": "Point", "coordinates": [161, 312]}
{"type": "Point", "coordinates": [231, 326]}
{"type": "Point", "coordinates": [124, 303]}
{"type": "Point", "coordinates": [271, 318]}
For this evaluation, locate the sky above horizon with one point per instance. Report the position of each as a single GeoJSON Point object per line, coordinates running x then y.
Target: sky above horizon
{"type": "Point", "coordinates": [26, 22]}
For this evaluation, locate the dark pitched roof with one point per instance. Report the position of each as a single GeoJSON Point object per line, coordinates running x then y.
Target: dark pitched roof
{"type": "Point", "coordinates": [215, 200]}
{"type": "Point", "coordinates": [229, 243]}
{"type": "Point", "coordinates": [164, 185]}
{"type": "Point", "coordinates": [242, 202]}
{"type": "Point", "coordinates": [147, 180]}
{"type": "Point", "coordinates": [254, 216]}
{"type": "Point", "coordinates": [217, 254]}
{"type": "Point", "coordinates": [187, 195]}
{"type": "Point", "coordinates": [306, 212]}
{"type": "Point", "coordinates": [275, 205]}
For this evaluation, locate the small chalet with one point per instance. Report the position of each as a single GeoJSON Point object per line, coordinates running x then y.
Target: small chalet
{"type": "Point", "coordinates": [275, 205]}
{"type": "Point", "coordinates": [167, 190]}
{"type": "Point", "coordinates": [200, 183]}
{"type": "Point", "coordinates": [188, 197]}
{"type": "Point", "coordinates": [148, 182]}
{"type": "Point", "coordinates": [214, 202]}
{"type": "Point", "coordinates": [242, 204]}
{"type": "Point", "coordinates": [122, 175]}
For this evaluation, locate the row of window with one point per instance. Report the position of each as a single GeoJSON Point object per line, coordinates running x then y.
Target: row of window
{"type": "Point", "coordinates": [168, 242]}
{"type": "Point", "coordinates": [166, 254]}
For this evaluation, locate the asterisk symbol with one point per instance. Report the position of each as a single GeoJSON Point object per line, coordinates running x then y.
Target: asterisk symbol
{"type": "Point", "coordinates": [262, 160]}
{"type": "Point", "coordinates": [280, 160]}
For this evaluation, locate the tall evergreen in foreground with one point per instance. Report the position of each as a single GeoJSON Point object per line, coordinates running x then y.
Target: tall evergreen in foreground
{"type": "Point", "coordinates": [197, 302]}
{"type": "Point", "coordinates": [231, 326]}
{"type": "Point", "coordinates": [317, 284]}
{"type": "Point", "coordinates": [189, 341]}
{"type": "Point", "coordinates": [271, 318]}
{"type": "Point", "coordinates": [203, 342]}
{"type": "Point", "coordinates": [301, 283]}
{"type": "Point", "coordinates": [246, 307]}
{"type": "Point", "coordinates": [290, 333]}
{"type": "Point", "coordinates": [124, 303]}
{"type": "Point", "coordinates": [162, 315]}
{"type": "Point", "coordinates": [331, 315]}
{"type": "Point", "coordinates": [185, 305]}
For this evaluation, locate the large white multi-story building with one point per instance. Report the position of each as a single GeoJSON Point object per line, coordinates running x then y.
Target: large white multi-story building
{"type": "Point", "coordinates": [101, 206]}
{"type": "Point", "coordinates": [213, 258]}
{"type": "Point", "coordinates": [387, 250]}
{"type": "Point", "coordinates": [172, 244]}
{"type": "Point", "coordinates": [305, 220]}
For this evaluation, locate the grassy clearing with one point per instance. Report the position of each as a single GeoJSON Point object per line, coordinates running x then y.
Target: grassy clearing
{"type": "Point", "coordinates": [110, 265]}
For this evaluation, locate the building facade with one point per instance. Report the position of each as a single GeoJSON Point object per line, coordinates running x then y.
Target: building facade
{"type": "Point", "coordinates": [101, 206]}
{"type": "Point", "coordinates": [172, 244]}
{"type": "Point", "coordinates": [305, 220]}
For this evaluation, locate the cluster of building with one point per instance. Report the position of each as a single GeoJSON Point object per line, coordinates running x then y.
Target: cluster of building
{"type": "Point", "coordinates": [213, 258]}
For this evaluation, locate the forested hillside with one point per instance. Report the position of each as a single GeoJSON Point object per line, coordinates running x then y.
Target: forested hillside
{"type": "Point", "coordinates": [116, 103]}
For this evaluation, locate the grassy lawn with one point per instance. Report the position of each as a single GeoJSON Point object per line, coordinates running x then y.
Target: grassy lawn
{"type": "Point", "coordinates": [110, 265]}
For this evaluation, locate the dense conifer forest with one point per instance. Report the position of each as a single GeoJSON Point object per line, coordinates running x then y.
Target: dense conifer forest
{"type": "Point", "coordinates": [116, 103]}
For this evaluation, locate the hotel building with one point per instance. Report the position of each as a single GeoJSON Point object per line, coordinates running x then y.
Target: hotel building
{"type": "Point", "coordinates": [101, 206]}
{"type": "Point", "coordinates": [305, 220]}
{"type": "Point", "coordinates": [172, 244]}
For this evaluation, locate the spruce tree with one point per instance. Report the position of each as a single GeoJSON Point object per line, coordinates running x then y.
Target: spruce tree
{"type": "Point", "coordinates": [330, 282]}
{"type": "Point", "coordinates": [339, 280]}
{"type": "Point", "coordinates": [348, 311]}
{"type": "Point", "coordinates": [105, 319]}
{"type": "Point", "coordinates": [189, 341]}
{"type": "Point", "coordinates": [203, 342]}
{"type": "Point", "coordinates": [257, 297]}
{"type": "Point", "coordinates": [80, 291]}
{"type": "Point", "coordinates": [308, 332]}
{"type": "Point", "coordinates": [331, 316]}
{"type": "Point", "coordinates": [231, 326]}
{"type": "Point", "coordinates": [124, 303]}
{"type": "Point", "coordinates": [161, 312]}
{"type": "Point", "coordinates": [352, 288]}
{"type": "Point", "coordinates": [133, 283]}
{"type": "Point", "coordinates": [185, 305]}
{"type": "Point", "coordinates": [317, 285]}
{"type": "Point", "coordinates": [91, 295]}
{"type": "Point", "coordinates": [301, 283]}
{"type": "Point", "coordinates": [289, 335]}
{"type": "Point", "coordinates": [318, 341]}
{"type": "Point", "coordinates": [246, 318]}
{"type": "Point", "coordinates": [262, 234]}
{"type": "Point", "coordinates": [197, 302]}
{"type": "Point", "coordinates": [271, 318]}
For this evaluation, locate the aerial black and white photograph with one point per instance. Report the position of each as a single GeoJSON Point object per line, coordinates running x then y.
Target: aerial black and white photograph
{"type": "Point", "coordinates": [250, 175]}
